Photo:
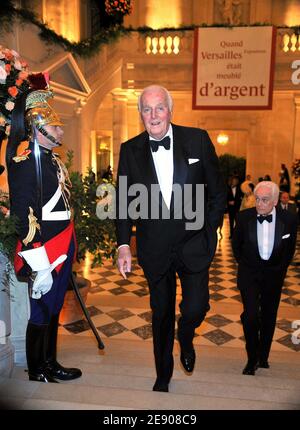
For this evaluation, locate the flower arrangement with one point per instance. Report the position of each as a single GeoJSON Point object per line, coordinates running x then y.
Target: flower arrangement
{"type": "Point", "coordinates": [13, 82]}
{"type": "Point", "coordinates": [122, 7]}
{"type": "Point", "coordinates": [8, 228]}
{"type": "Point", "coordinates": [296, 169]}
{"type": "Point", "coordinates": [8, 242]}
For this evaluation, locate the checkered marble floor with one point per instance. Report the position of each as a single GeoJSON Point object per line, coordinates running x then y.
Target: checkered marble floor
{"type": "Point", "coordinates": [129, 322]}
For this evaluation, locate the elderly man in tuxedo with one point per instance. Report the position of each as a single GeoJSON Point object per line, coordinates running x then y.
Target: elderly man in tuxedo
{"type": "Point", "coordinates": [263, 244]}
{"type": "Point", "coordinates": [285, 203]}
{"type": "Point", "coordinates": [165, 155]}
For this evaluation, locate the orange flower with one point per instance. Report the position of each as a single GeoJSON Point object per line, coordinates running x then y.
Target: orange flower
{"type": "Point", "coordinates": [7, 68]}
{"type": "Point", "coordinates": [19, 82]}
{"type": "Point", "coordinates": [23, 75]}
{"type": "Point", "coordinates": [8, 55]}
{"type": "Point", "coordinates": [13, 91]}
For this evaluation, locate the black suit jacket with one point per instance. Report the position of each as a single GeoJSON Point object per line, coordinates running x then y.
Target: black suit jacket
{"type": "Point", "coordinates": [24, 193]}
{"type": "Point", "coordinates": [245, 243]}
{"type": "Point", "coordinates": [291, 207]}
{"type": "Point", "coordinates": [237, 198]}
{"type": "Point", "coordinates": [157, 239]}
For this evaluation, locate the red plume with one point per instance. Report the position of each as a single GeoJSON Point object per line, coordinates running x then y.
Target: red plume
{"type": "Point", "coordinates": [39, 81]}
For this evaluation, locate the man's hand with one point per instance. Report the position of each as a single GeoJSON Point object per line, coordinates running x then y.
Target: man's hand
{"type": "Point", "coordinates": [124, 260]}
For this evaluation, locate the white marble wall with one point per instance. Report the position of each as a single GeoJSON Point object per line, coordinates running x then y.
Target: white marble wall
{"type": "Point", "coordinates": [19, 317]}
{"type": "Point", "coordinates": [6, 348]}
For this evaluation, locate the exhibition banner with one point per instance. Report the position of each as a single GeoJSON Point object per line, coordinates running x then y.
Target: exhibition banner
{"type": "Point", "coordinates": [234, 67]}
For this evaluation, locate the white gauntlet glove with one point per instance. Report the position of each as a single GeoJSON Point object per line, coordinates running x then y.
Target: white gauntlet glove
{"type": "Point", "coordinates": [38, 260]}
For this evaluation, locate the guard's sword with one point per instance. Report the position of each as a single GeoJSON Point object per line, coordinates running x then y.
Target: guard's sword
{"type": "Point", "coordinates": [86, 312]}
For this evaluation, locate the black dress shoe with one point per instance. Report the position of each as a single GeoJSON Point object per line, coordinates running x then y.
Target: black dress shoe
{"type": "Point", "coordinates": [63, 373]}
{"type": "Point", "coordinates": [250, 368]}
{"type": "Point", "coordinates": [161, 386]}
{"type": "Point", "coordinates": [41, 376]}
{"type": "Point", "coordinates": [263, 364]}
{"type": "Point", "coordinates": [188, 360]}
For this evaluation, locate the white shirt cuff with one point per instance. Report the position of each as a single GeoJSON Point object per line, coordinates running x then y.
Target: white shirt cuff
{"type": "Point", "coordinates": [37, 258]}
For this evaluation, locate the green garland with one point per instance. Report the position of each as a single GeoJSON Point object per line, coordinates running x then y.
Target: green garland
{"type": "Point", "coordinates": [90, 46]}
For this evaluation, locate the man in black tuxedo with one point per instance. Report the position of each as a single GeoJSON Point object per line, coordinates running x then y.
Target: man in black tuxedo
{"type": "Point", "coordinates": [234, 200]}
{"type": "Point", "coordinates": [286, 204]}
{"type": "Point", "coordinates": [263, 244]}
{"type": "Point", "coordinates": [163, 155]}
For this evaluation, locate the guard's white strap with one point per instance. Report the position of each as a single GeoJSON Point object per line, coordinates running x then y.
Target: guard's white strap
{"type": "Point", "coordinates": [37, 258]}
{"type": "Point", "coordinates": [47, 212]}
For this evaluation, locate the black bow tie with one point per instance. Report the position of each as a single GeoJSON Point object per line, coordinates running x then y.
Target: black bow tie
{"type": "Point", "coordinates": [262, 218]}
{"type": "Point", "coordinates": [165, 142]}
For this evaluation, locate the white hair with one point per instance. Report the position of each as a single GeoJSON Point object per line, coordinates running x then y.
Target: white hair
{"type": "Point", "coordinates": [271, 185]}
{"type": "Point", "coordinates": [157, 88]}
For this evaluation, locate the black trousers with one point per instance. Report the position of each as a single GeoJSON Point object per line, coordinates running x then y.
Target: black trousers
{"type": "Point", "coordinates": [260, 293]}
{"type": "Point", "coordinates": [232, 213]}
{"type": "Point", "coordinates": [193, 308]}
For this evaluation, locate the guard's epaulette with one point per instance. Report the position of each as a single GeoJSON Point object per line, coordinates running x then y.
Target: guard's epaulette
{"type": "Point", "coordinates": [23, 156]}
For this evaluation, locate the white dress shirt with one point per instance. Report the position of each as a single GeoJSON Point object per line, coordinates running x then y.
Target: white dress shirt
{"type": "Point", "coordinates": [163, 162]}
{"type": "Point", "coordinates": [266, 236]}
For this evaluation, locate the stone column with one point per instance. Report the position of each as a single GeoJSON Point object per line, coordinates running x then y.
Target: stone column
{"type": "Point", "coordinates": [296, 143]}
{"type": "Point", "coordinates": [260, 11]}
{"type": "Point", "coordinates": [203, 11]}
{"type": "Point", "coordinates": [20, 309]}
{"type": "Point", "coordinates": [296, 146]}
{"type": "Point", "coordinates": [94, 152]}
{"type": "Point", "coordinates": [6, 348]}
{"type": "Point", "coordinates": [254, 151]}
{"type": "Point", "coordinates": [120, 131]}
{"type": "Point", "coordinates": [133, 118]}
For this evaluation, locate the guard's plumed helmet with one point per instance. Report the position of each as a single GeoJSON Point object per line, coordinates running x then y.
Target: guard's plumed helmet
{"type": "Point", "coordinates": [38, 110]}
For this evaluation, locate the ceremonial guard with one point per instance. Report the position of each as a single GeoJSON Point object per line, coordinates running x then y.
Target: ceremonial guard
{"type": "Point", "coordinates": [39, 193]}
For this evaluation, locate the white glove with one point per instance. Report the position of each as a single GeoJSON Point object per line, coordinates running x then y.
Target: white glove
{"type": "Point", "coordinates": [42, 284]}
{"type": "Point", "coordinates": [43, 281]}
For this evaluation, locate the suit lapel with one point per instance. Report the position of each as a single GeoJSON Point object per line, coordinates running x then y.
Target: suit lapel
{"type": "Point", "coordinates": [180, 157]}
{"type": "Point", "coordinates": [180, 163]}
{"type": "Point", "coordinates": [279, 229]}
{"type": "Point", "coordinates": [145, 161]}
{"type": "Point", "coordinates": [253, 232]}
{"type": "Point", "coordinates": [146, 165]}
